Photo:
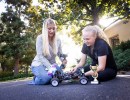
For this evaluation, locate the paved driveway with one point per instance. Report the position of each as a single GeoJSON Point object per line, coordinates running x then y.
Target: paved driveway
{"type": "Point", "coordinates": [117, 89]}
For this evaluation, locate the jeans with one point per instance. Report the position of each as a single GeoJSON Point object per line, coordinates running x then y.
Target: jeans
{"type": "Point", "coordinates": [41, 75]}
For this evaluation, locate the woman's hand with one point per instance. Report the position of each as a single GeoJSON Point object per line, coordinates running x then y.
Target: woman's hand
{"type": "Point", "coordinates": [73, 70]}
{"type": "Point", "coordinates": [64, 62]}
{"type": "Point", "coordinates": [89, 73]}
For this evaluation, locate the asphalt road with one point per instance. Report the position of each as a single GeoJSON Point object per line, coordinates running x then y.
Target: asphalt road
{"type": "Point", "coordinates": [117, 89]}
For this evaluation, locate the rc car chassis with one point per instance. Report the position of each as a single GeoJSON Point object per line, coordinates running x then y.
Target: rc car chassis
{"type": "Point", "coordinates": [59, 76]}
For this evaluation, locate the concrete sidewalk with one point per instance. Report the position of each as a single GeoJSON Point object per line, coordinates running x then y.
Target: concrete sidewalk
{"type": "Point", "coordinates": [117, 89]}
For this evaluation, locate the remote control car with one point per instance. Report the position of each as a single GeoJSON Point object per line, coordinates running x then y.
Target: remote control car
{"type": "Point", "coordinates": [59, 76]}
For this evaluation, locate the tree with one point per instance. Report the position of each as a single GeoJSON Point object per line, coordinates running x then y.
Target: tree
{"type": "Point", "coordinates": [86, 12]}
{"type": "Point", "coordinates": [14, 36]}
{"type": "Point", "coordinates": [80, 13]}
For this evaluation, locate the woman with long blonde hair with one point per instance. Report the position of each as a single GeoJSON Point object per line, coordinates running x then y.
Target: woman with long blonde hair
{"type": "Point", "coordinates": [96, 46]}
{"type": "Point", "coordinates": [48, 46]}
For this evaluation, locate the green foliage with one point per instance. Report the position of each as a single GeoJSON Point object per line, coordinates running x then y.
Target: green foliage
{"type": "Point", "coordinates": [15, 39]}
{"type": "Point", "coordinates": [86, 12]}
{"type": "Point", "coordinates": [7, 64]}
{"type": "Point", "coordinates": [5, 74]}
{"type": "Point", "coordinates": [89, 61]}
{"type": "Point", "coordinates": [122, 55]}
{"type": "Point", "coordinates": [9, 76]}
{"type": "Point", "coordinates": [123, 45]}
{"type": "Point", "coordinates": [122, 59]}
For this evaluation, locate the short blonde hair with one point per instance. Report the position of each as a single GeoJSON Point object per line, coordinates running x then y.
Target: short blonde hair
{"type": "Point", "coordinates": [97, 31]}
{"type": "Point", "coordinates": [46, 51]}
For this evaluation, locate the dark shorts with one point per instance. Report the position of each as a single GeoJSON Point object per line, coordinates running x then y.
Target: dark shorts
{"type": "Point", "coordinates": [105, 75]}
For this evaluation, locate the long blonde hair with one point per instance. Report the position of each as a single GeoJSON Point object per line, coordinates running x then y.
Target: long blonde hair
{"type": "Point", "coordinates": [96, 30]}
{"type": "Point", "coordinates": [46, 51]}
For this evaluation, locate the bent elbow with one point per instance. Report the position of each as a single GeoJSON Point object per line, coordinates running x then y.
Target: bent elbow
{"type": "Point", "coordinates": [102, 69]}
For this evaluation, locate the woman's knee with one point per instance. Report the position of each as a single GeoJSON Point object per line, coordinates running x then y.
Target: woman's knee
{"type": "Point", "coordinates": [41, 80]}
{"type": "Point", "coordinates": [86, 68]}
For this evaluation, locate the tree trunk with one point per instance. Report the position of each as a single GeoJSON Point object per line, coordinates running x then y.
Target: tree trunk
{"type": "Point", "coordinates": [16, 67]}
{"type": "Point", "coordinates": [95, 15]}
{"type": "Point", "coordinates": [95, 20]}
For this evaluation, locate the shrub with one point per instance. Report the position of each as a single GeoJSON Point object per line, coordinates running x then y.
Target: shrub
{"type": "Point", "coordinates": [123, 45]}
{"type": "Point", "coordinates": [6, 74]}
{"type": "Point", "coordinates": [10, 75]}
{"type": "Point", "coordinates": [122, 55]}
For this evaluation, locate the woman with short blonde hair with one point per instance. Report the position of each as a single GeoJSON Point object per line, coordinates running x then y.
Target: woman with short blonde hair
{"type": "Point", "coordinates": [96, 46]}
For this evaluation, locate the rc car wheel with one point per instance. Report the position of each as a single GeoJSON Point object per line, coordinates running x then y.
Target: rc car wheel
{"type": "Point", "coordinates": [54, 82]}
{"type": "Point", "coordinates": [83, 80]}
